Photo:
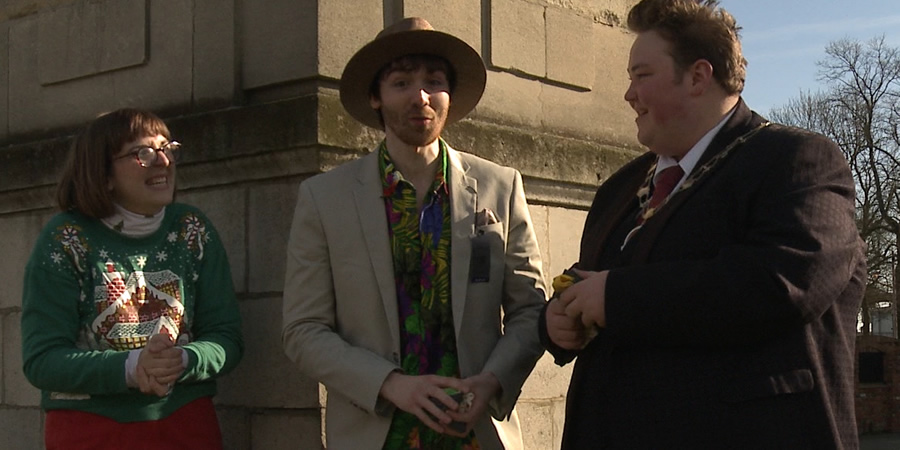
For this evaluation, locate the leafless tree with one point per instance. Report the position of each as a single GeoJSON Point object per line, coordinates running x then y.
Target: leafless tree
{"type": "Point", "coordinates": [859, 108]}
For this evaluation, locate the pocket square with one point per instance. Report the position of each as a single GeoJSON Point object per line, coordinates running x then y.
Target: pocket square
{"type": "Point", "coordinates": [485, 217]}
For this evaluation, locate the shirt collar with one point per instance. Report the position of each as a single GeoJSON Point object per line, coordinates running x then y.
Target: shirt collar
{"type": "Point", "coordinates": [391, 177]}
{"type": "Point", "coordinates": [690, 159]}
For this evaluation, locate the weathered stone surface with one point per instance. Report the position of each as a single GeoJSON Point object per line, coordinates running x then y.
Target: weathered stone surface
{"type": "Point", "coordinates": [246, 132]}
{"type": "Point", "coordinates": [537, 430]}
{"type": "Point", "coordinates": [547, 381]}
{"type": "Point", "coordinates": [89, 38]}
{"type": "Point", "coordinates": [558, 231]}
{"type": "Point", "coordinates": [23, 50]}
{"type": "Point", "coordinates": [275, 37]}
{"type": "Point", "coordinates": [163, 82]}
{"type": "Point", "coordinates": [570, 48]}
{"type": "Point", "coordinates": [270, 212]}
{"type": "Point", "coordinates": [601, 115]}
{"type": "Point", "coordinates": [511, 99]}
{"type": "Point", "coordinates": [518, 38]}
{"type": "Point", "coordinates": [606, 12]}
{"type": "Point", "coordinates": [561, 161]}
{"type": "Point", "coordinates": [36, 163]}
{"type": "Point", "coordinates": [286, 430]}
{"type": "Point", "coordinates": [18, 391]}
{"type": "Point", "coordinates": [21, 429]}
{"type": "Point", "coordinates": [266, 378]}
{"type": "Point", "coordinates": [215, 67]}
{"type": "Point", "coordinates": [541, 222]}
{"type": "Point", "coordinates": [344, 27]}
{"type": "Point", "coordinates": [13, 9]}
{"type": "Point", "coordinates": [339, 129]}
{"type": "Point", "coordinates": [558, 420]}
{"type": "Point", "coordinates": [33, 107]}
{"type": "Point", "coordinates": [235, 426]}
{"type": "Point", "coordinates": [565, 234]}
{"type": "Point", "coordinates": [17, 236]}
{"type": "Point", "coordinates": [461, 18]}
{"type": "Point", "coordinates": [4, 80]}
{"type": "Point", "coordinates": [2, 365]}
{"type": "Point", "coordinates": [226, 208]}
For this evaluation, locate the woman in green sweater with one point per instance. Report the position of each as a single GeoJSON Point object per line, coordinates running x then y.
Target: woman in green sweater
{"type": "Point", "coordinates": [128, 311]}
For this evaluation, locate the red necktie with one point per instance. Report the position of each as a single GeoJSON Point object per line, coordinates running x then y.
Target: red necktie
{"type": "Point", "coordinates": [663, 186]}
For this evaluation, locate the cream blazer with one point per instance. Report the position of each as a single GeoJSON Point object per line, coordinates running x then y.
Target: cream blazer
{"type": "Point", "coordinates": [341, 323]}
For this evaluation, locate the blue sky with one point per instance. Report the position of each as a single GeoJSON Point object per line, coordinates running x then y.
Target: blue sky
{"type": "Point", "coordinates": [783, 39]}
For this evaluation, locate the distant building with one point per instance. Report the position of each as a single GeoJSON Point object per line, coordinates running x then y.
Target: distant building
{"type": "Point", "coordinates": [878, 365]}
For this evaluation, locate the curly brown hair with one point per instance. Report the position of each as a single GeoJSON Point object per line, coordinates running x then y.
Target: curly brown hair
{"type": "Point", "coordinates": [696, 29]}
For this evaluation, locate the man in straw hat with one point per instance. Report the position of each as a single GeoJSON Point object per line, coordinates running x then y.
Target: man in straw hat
{"type": "Point", "coordinates": [414, 280]}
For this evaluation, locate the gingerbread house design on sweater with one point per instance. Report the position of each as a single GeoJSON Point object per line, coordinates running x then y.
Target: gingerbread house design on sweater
{"type": "Point", "coordinates": [132, 309]}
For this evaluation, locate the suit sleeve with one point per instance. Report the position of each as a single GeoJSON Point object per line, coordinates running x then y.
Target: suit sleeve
{"type": "Point", "coordinates": [524, 294]}
{"type": "Point", "coordinates": [309, 320]}
{"type": "Point", "coordinates": [794, 250]}
{"type": "Point", "coordinates": [560, 355]}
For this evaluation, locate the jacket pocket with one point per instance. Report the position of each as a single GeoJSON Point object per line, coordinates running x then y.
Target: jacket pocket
{"type": "Point", "coordinates": [792, 382]}
{"type": "Point", "coordinates": [486, 256]}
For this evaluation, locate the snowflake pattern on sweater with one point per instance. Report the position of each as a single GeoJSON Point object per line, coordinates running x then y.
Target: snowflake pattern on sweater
{"type": "Point", "coordinates": [138, 291]}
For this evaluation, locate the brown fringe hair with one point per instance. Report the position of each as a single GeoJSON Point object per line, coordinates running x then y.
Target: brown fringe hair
{"type": "Point", "coordinates": [84, 184]}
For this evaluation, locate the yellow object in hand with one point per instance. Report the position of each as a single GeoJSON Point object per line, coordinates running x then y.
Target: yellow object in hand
{"type": "Point", "coordinates": [561, 282]}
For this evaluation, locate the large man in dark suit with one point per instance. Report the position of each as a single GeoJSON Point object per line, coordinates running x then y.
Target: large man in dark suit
{"type": "Point", "coordinates": [723, 315]}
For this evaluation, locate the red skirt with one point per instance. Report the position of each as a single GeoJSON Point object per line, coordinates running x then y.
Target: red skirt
{"type": "Point", "coordinates": [194, 426]}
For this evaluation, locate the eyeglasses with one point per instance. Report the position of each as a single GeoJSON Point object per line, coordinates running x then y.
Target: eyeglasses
{"type": "Point", "coordinates": [146, 156]}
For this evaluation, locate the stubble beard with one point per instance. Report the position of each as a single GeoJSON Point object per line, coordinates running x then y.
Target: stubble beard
{"type": "Point", "coordinates": [418, 136]}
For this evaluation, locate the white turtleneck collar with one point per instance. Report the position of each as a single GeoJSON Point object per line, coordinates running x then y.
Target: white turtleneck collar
{"type": "Point", "coordinates": [134, 225]}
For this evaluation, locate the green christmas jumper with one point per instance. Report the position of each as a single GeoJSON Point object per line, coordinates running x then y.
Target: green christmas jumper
{"type": "Point", "coordinates": [92, 294]}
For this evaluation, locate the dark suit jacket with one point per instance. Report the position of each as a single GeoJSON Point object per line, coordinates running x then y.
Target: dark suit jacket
{"type": "Point", "coordinates": [731, 316]}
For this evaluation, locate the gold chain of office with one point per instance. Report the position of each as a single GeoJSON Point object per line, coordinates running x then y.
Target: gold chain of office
{"type": "Point", "coordinates": [643, 193]}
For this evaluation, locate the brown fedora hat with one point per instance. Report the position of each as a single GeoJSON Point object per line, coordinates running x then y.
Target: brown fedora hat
{"type": "Point", "coordinates": [412, 35]}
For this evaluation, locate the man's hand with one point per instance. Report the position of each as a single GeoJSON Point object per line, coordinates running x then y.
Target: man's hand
{"type": "Point", "coordinates": [586, 300]}
{"type": "Point", "coordinates": [485, 386]}
{"type": "Point", "coordinates": [564, 331]}
{"type": "Point", "coordinates": [414, 395]}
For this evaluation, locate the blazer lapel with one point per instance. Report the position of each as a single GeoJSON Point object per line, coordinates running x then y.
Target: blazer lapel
{"type": "Point", "coordinates": [372, 219]}
{"type": "Point", "coordinates": [614, 209]}
{"type": "Point", "coordinates": [463, 201]}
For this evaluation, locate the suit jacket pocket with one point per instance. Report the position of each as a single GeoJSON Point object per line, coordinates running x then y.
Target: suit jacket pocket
{"type": "Point", "coordinates": [791, 382]}
{"type": "Point", "coordinates": [495, 228]}
{"type": "Point", "coordinates": [487, 245]}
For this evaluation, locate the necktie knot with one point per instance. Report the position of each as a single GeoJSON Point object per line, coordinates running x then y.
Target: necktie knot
{"type": "Point", "coordinates": [664, 184]}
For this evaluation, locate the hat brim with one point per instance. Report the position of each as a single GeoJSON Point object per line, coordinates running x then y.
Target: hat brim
{"type": "Point", "coordinates": [357, 77]}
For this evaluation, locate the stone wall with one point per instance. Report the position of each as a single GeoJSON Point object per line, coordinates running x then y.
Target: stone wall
{"type": "Point", "coordinates": [250, 88]}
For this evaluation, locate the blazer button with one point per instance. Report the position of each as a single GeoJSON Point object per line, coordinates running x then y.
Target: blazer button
{"type": "Point", "coordinates": [396, 358]}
